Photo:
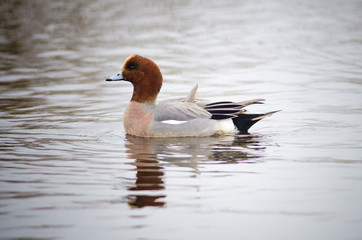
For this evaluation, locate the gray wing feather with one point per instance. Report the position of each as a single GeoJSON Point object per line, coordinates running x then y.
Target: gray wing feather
{"type": "Point", "coordinates": [180, 111]}
{"type": "Point", "coordinates": [190, 107]}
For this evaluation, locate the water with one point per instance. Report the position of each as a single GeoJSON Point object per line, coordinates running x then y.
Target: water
{"type": "Point", "coordinates": [69, 171]}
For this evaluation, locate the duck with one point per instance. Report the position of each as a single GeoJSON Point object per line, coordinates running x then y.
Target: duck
{"type": "Point", "coordinates": [179, 117]}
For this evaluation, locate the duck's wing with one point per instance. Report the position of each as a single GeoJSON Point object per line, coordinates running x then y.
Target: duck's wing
{"type": "Point", "coordinates": [192, 94]}
{"type": "Point", "coordinates": [190, 107]}
{"type": "Point", "coordinates": [224, 110]}
{"type": "Point", "coordinates": [191, 97]}
{"type": "Point", "coordinates": [179, 111]}
{"type": "Point", "coordinates": [252, 101]}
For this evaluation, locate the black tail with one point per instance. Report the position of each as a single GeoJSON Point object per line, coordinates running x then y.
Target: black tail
{"type": "Point", "coordinates": [244, 121]}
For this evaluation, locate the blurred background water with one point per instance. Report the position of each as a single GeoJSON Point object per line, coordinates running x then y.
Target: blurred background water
{"type": "Point", "coordinates": [69, 171]}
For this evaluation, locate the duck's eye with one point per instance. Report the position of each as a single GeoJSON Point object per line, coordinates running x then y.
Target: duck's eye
{"type": "Point", "coordinates": [133, 66]}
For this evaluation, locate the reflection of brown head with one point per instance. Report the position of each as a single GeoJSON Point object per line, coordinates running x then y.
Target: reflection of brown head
{"type": "Point", "coordinates": [149, 174]}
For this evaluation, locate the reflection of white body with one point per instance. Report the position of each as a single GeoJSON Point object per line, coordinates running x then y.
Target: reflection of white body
{"type": "Point", "coordinates": [183, 117]}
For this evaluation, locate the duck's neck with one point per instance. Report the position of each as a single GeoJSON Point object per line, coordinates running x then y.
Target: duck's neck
{"type": "Point", "coordinates": [147, 89]}
{"type": "Point", "coordinates": [146, 96]}
{"type": "Point", "coordinates": [146, 107]}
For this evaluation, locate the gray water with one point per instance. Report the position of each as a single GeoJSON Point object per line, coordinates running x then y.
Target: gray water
{"type": "Point", "coordinates": [69, 171]}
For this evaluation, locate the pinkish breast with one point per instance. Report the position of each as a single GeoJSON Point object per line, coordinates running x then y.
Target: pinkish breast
{"type": "Point", "coordinates": [137, 119]}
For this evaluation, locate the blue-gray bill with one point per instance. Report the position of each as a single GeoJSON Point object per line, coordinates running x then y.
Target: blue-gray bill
{"type": "Point", "coordinates": [117, 77]}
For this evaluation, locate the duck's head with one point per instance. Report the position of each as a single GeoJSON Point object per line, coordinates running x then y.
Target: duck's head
{"type": "Point", "coordinates": [144, 75]}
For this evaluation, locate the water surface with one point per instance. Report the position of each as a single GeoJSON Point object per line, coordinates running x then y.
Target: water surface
{"type": "Point", "coordinates": [69, 171]}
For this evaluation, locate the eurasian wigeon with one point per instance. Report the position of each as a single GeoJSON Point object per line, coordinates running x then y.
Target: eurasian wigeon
{"type": "Point", "coordinates": [182, 117]}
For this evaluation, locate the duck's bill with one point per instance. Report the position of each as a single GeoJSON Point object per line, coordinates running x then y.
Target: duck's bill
{"type": "Point", "coordinates": [117, 77]}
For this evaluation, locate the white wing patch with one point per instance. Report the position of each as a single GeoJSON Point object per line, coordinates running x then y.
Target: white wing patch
{"type": "Point", "coordinates": [173, 122]}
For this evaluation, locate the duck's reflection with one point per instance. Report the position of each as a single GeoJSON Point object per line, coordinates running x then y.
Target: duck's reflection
{"type": "Point", "coordinates": [149, 176]}
{"type": "Point", "coordinates": [149, 155]}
